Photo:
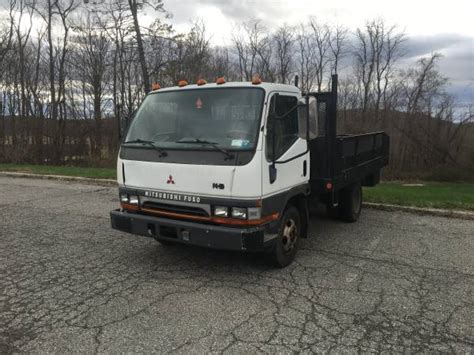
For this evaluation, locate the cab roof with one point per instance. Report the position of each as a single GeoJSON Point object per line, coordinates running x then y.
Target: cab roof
{"type": "Point", "coordinates": [268, 87]}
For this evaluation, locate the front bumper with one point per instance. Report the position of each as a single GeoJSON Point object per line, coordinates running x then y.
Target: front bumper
{"type": "Point", "coordinates": [217, 237]}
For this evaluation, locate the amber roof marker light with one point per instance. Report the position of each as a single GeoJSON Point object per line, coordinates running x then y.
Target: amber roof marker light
{"type": "Point", "coordinates": [182, 83]}
{"type": "Point", "coordinates": [220, 80]}
{"type": "Point", "coordinates": [155, 86]}
{"type": "Point", "coordinates": [201, 82]}
{"type": "Point", "coordinates": [256, 79]}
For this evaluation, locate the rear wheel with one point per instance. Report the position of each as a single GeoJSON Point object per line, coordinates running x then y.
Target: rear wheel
{"type": "Point", "coordinates": [350, 203]}
{"type": "Point", "coordinates": [284, 251]}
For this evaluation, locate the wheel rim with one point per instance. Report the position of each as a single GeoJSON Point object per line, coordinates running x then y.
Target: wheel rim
{"type": "Point", "coordinates": [290, 235]}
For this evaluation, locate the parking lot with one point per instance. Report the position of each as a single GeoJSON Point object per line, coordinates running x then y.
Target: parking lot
{"type": "Point", "coordinates": [69, 283]}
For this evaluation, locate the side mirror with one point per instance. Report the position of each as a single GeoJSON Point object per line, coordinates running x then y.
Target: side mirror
{"type": "Point", "coordinates": [302, 118]}
{"type": "Point", "coordinates": [313, 117]}
{"type": "Point", "coordinates": [308, 115]}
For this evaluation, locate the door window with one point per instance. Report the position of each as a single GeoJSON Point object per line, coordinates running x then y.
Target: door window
{"type": "Point", "coordinates": [285, 124]}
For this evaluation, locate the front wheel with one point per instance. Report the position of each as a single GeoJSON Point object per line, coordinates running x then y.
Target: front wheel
{"type": "Point", "coordinates": [284, 251]}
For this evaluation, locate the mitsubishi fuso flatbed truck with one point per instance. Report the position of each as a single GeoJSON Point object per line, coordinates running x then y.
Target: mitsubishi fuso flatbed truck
{"type": "Point", "coordinates": [236, 165]}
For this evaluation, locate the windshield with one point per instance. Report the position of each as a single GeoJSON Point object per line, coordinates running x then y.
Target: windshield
{"type": "Point", "coordinates": [226, 117]}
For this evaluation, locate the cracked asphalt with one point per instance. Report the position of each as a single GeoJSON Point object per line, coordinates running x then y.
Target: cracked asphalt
{"type": "Point", "coordinates": [393, 282]}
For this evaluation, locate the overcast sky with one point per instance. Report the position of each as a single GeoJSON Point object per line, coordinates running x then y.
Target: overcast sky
{"type": "Point", "coordinates": [432, 26]}
{"type": "Point", "coordinates": [418, 17]}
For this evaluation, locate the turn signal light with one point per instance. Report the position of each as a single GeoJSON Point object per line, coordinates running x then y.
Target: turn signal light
{"type": "Point", "coordinates": [155, 86]}
{"type": "Point", "coordinates": [220, 80]}
{"type": "Point", "coordinates": [256, 79]}
{"type": "Point", "coordinates": [182, 83]}
{"type": "Point", "coordinates": [201, 82]}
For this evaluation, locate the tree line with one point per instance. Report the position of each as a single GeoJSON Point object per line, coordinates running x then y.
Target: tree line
{"type": "Point", "coordinates": [73, 71]}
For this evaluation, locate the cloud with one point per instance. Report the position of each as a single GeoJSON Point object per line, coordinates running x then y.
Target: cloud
{"type": "Point", "coordinates": [233, 10]}
{"type": "Point", "coordinates": [416, 16]}
{"type": "Point", "coordinates": [457, 62]}
{"type": "Point", "coordinates": [421, 45]}
{"type": "Point", "coordinates": [437, 28]}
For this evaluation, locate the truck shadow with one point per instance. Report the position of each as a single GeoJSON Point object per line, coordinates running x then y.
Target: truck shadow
{"type": "Point", "coordinates": [182, 256]}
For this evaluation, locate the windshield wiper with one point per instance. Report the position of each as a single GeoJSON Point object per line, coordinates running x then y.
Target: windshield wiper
{"type": "Point", "coordinates": [212, 144]}
{"type": "Point", "coordinates": [151, 144]}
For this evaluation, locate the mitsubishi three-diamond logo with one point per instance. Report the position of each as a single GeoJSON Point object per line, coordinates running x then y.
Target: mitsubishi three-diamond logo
{"type": "Point", "coordinates": [170, 180]}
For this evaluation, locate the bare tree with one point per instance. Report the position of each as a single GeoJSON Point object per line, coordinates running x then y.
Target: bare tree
{"type": "Point", "coordinates": [6, 35]}
{"type": "Point", "coordinates": [160, 41]}
{"type": "Point", "coordinates": [365, 58]}
{"type": "Point", "coordinates": [377, 49]}
{"type": "Point", "coordinates": [284, 41]}
{"type": "Point", "coordinates": [135, 6]}
{"type": "Point", "coordinates": [196, 52]}
{"type": "Point", "coordinates": [6, 32]}
{"type": "Point", "coordinates": [424, 87]}
{"type": "Point", "coordinates": [92, 54]}
{"type": "Point", "coordinates": [49, 11]}
{"type": "Point", "coordinates": [22, 40]}
{"type": "Point", "coordinates": [306, 55]}
{"type": "Point", "coordinates": [321, 40]}
{"type": "Point", "coordinates": [337, 45]}
{"type": "Point", "coordinates": [222, 64]}
{"type": "Point", "coordinates": [389, 51]}
{"type": "Point", "coordinates": [66, 87]}
{"type": "Point", "coordinates": [253, 50]}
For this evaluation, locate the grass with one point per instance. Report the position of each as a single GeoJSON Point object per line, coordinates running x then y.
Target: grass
{"type": "Point", "coordinates": [432, 194]}
{"type": "Point", "coordinates": [95, 173]}
{"type": "Point", "coordinates": [458, 196]}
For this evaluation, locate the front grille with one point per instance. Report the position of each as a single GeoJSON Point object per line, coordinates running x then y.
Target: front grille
{"type": "Point", "coordinates": [193, 211]}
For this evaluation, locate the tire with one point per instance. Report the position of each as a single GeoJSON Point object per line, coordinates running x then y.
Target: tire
{"type": "Point", "coordinates": [286, 246]}
{"type": "Point", "coordinates": [350, 203]}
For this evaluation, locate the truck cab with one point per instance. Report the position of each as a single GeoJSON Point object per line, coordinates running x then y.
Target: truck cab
{"type": "Point", "coordinates": [229, 166]}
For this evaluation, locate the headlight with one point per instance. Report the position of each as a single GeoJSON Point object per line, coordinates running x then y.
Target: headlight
{"type": "Point", "coordinates": [239, 212]}
{"type": "Point", "coordinates": [124, 198]}
{"type": "Point", "coordinates": [133, 199]}
{"type": "Point", "coordinates": [221, 211]}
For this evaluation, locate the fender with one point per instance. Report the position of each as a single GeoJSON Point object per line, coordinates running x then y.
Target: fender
{"type": "Point", "coordinates": [278, 203]}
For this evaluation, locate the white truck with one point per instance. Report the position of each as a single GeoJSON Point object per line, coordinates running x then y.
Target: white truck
{"type": "Point", "coordinates": [235, 166]}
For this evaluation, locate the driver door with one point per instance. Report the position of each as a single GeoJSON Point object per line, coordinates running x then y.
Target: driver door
{"type": "Point", "coordinates": [291, 155]}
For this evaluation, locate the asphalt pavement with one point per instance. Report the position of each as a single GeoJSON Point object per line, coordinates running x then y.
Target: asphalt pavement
{"type": "Point", "coordinates": [392, 282]}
